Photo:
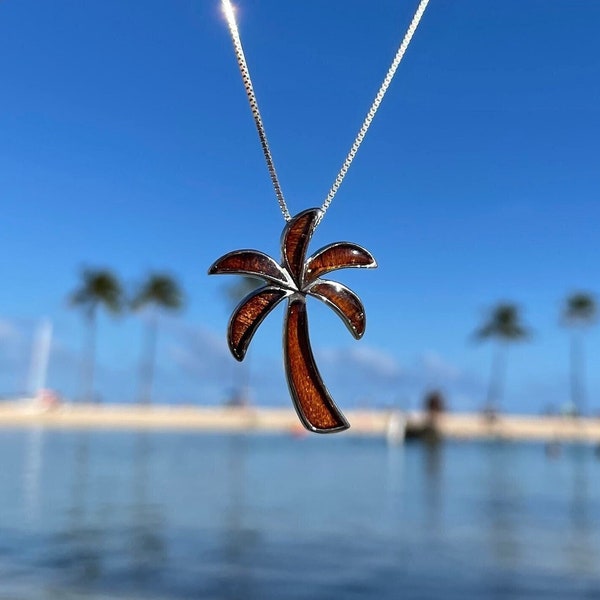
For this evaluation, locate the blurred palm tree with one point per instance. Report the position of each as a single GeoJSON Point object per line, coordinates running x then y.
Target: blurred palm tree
{"type": "Point", "coordinates": [159, 291]}
{"type": "Point", "coordinates": [99, 287]}
{"type": "Point", "coordinates": [240, 288]}
{"type": "Point", "coordinates": [579, 312]}
{"type": "Point", "coordinates": [235, 292]}
{"type": "Point", "coordinates": [504, 326]}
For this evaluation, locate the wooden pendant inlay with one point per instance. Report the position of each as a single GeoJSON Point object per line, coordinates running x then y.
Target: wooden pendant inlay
{"type": "Point", "coordinates": [296, 278]}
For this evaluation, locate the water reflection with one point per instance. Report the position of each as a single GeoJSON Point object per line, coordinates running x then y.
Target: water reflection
{"type": "Point", "coordinates": [105, 537]}
{"type": "Point", "coordinates": [502, 503]}
{"type": "Point", "coordinates": [580, 547]}
{"type": "Point", "coordinates": [394, 476]}
{"type": "Point", "coordinates": [239, 539]}
{"type": "Point", "coordinates": [32, 471]}
{"type": "Point", "coordinates": [180, 516]}
{"type": "Point", "coordinates": [147, 546]}
{"type": "Point", "coordinates": [81, 543]}
{"type": "Point", "coordinates": [433, 466]}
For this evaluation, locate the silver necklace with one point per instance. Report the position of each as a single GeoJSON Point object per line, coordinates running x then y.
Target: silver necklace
{"type": "Point", "coordinates": [297, 277]}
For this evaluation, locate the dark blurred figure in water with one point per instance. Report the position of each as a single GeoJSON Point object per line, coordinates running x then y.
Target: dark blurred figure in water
{"type": "Point", "coordinates": [434, 404]}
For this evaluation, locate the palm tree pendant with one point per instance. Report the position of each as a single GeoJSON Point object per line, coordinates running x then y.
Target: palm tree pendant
{"type": "Point", "coordinates": [296, 278]}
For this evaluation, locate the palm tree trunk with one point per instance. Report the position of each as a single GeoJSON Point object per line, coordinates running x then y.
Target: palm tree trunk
{"type": "Point", "coordinates": [245, 381]}
{"type": "Point", "coordinates": [312, 401]}
{"type": "Point", "coordinates": [497, 376]}
{"type": "Point", "coordinates": [90, 360]}
{"type": "Point", "coordinates": [577, 375]}
{"type": "Point", "coordinates": [148, 361]}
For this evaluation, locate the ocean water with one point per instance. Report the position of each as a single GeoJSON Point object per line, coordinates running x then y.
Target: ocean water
{"type": "Point", "coordinates": [90, 515]}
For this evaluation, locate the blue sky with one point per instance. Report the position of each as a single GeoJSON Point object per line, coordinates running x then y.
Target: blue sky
{"type": "Point", "coordinates": [126, 141]}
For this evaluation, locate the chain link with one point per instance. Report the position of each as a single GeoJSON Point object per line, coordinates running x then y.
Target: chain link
{"type": "Point", "coordinates": [239, 53]}
{"type": "Point", "coordinates": [375, 106]}
{"type": "Point", "coordinates": [241, 60]}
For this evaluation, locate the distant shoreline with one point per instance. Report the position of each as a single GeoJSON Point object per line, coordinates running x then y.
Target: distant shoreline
{"type": "Point", "coordinates": [28, 413]}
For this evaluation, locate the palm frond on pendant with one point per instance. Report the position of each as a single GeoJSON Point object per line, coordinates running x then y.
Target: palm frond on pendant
{"type": "Point", "coordinates": [295, 278]}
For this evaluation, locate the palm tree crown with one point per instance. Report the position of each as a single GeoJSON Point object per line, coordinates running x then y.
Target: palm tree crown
{"type": "Point", "coordinates": [503, 324]}
{"type": "Point", "coordinates": [160, 290]}
{"type": "Point", "coordinates": [241, 288]}
{"type": "Point", "coordinates": [580, 309]}
{"type": "Point", "coordinates": [99, 287]}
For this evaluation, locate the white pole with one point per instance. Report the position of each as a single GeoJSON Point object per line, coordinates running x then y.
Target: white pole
{"type": "Point", "coordinates": [40, 357]}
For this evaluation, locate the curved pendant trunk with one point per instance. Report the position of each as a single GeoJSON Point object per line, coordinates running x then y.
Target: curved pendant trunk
{"type": "Point", "coordinates": [312, 401]}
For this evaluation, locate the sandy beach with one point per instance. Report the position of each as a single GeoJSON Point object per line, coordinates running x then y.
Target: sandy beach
{"type": "Point", "coordinates": [28, 413]}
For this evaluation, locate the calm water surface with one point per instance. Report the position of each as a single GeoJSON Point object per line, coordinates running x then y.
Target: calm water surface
{"type": "Point", "coordinates": [154, 515]}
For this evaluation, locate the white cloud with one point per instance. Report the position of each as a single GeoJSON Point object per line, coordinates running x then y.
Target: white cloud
{"type": "Point", "coordinates": [436, 367]}
{"type": "Point", "coordinates": [202, 357]}
{"type": "Point", "coordinates": [365, 360]}
{"type": "Point", "coordinates": [199, 351]}
{"type": "Point", "coordinates": [9, 331]}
